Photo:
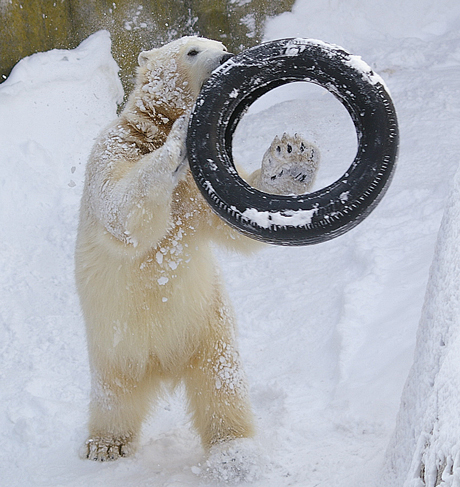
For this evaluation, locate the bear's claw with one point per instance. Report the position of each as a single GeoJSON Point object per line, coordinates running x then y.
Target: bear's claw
{"type": "Point", "coordinates": [108, 448]}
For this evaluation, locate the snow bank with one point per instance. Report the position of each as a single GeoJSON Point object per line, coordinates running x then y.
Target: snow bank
{"type": "Point", "coordinates": [51, 109]}
{"type": "Point", "coordinates": [426, 442]}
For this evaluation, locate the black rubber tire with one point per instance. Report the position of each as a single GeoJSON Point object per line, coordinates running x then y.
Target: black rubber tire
{"type": "Point", "coordinates": [304, 219]}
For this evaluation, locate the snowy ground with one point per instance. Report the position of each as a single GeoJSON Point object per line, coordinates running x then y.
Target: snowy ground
{"type": "Point", "coordinates": [327, 332]}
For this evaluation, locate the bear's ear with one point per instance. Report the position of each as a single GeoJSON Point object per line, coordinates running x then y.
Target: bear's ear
{"type": "Point", "coordinates": [145, 56]}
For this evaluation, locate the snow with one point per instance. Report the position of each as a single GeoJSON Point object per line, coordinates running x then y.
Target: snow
{"type": "Point", "coordinates": [327, 332]}
{"type": "Point", "coordinates": [289, 217]}
{"type": "Point", "coordinates": [426, 436]}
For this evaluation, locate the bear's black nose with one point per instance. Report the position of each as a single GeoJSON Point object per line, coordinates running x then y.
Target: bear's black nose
{"type": "Point", "coordinates": [226, 57]}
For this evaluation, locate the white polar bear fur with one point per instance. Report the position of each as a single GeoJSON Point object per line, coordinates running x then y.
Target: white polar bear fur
{"type": "Point", "coordinates": [149, 289]}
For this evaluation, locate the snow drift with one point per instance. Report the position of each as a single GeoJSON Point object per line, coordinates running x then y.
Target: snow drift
{"type": "Point", "coordinates": [426, 442]}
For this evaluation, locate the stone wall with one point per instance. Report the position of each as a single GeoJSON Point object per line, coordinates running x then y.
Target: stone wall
{"type": "Point", "coordinates": [30, 26]}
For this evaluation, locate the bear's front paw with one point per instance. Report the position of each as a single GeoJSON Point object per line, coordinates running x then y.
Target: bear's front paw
{"type": "Point", "coordinates": [177, 146]}
{"type": "Point", "coordinates": [109, 448]}
{"type": "Point", "coordinates": [289, 166]}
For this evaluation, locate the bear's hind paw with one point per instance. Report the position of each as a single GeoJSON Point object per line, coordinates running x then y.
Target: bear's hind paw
{"type": "Point", "coordinates": [109, 448]}
{"type": "Point", "coordinates": [233, 461]}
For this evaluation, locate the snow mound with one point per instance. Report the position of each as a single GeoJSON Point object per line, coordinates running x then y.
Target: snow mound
{"type": "Point", "coordinates": [425, 448]}
{"type": "Point", "coordinates": [91, 58]}
{"type": "Point", "coordinates": [51, 109]}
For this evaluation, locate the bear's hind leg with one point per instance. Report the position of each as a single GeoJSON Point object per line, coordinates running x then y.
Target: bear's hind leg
{"type": "Point", "coordinates": [219, 402]}
{"type": "Point", "coordinates": [118, 407]}
{"type": "Point", "coordinates": [216, 386]}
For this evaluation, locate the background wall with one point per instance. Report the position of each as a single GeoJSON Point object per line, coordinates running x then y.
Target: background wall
{"type": "Point", "coordinates": [40, 25]}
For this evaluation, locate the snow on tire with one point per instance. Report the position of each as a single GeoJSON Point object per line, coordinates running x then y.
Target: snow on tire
{"type": "Point", "coordinates": [302, 219]}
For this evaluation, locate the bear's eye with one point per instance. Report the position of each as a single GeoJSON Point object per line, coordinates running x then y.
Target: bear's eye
{"type": "Point", "coordinates": [192, 52]}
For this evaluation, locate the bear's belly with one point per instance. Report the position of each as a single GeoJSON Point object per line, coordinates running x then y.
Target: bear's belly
{"type": "Point", "coordinates": [150, 308]}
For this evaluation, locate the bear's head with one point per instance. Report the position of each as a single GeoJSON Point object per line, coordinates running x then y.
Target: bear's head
{"type": "Point", "coordinates": [170, 78]}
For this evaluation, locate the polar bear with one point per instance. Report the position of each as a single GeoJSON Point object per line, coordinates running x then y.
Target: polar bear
{"type": "Point", "coordinates": [155, 309]}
